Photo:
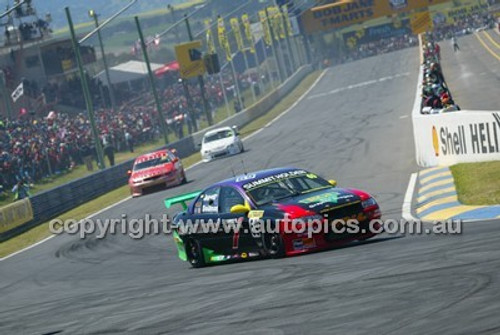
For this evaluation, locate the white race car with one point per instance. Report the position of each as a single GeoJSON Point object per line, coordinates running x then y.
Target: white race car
{"type": "Point", "coordinates": [221, 142]}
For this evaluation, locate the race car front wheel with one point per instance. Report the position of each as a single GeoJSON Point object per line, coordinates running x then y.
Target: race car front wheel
{"type": "Point", "coordinates": [194, 253]}
{"type": "Point", "coordinates": [274, 245]}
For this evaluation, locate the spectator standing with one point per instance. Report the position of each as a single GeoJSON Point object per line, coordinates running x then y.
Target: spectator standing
{"type": "Point", "coordinates": [20, 190]}
{"type": "Point", "coordinates": [454, 42]}
{"type": "Point", "coordinates": [109, 151]}
{"type": "Point", "coordinates": [129, 140]}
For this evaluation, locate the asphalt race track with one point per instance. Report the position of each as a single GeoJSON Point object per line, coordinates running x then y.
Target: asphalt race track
{"type": "Point", "coordinates": [472, 73]}
{"type": "Point", "coordinates": [354, 126]}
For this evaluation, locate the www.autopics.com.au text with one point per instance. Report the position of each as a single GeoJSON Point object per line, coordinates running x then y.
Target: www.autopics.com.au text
{"type": "Point", "coordinates": [137, 228]}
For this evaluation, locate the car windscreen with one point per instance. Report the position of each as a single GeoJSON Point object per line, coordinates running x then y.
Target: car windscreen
{"type": "Point", "coordinates": [151, 162]}
{"type": "Point", "coordinates": [217, 136]}
{"type": "Point", "coordinates": [285, 188]}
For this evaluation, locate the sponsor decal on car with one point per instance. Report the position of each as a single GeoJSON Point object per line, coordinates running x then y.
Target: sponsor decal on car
{"type": "Point", "coordinates": [304, 243]}
{"type": "Point", "coordinates": [321, 199]}
{"type": "Point", "coordinates": [270, 179]}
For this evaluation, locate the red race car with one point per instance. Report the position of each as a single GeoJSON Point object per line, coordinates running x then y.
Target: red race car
{"type": "Point", "coordinates": [154, 170]}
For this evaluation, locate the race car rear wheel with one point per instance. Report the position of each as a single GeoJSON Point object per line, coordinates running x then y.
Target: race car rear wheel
{"type": "Point", "coordinates": [274, 245]}
{"type": "Point", "coordinates": [194, 253]}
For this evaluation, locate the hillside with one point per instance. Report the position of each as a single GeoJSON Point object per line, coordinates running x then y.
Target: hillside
{"type": "Point", "coordinates": [79, 9]}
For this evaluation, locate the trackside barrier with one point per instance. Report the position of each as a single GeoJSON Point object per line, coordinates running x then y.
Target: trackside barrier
{"type": "Point", "coordinates": [49, 204]}
{"type": "Point", "coordinates": [457, 137]}
{"type": "Point", "coordinates": [15, 214]}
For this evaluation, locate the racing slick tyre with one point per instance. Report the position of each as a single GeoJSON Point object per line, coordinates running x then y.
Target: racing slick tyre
{"type": "Point", "coordinates": [242, 148]}
{"type": "Point", "coordinates": [194, 253]}
{"type": "Point", "coordinates": [274, 245]}
{"type": "Point", "coordinates": [184, 179]}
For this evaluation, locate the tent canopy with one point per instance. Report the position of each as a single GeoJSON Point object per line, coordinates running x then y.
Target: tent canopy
{"type": "Point", "coordinates": [127, 72]}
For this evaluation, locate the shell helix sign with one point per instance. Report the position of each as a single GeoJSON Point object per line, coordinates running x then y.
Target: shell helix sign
{"type": "Point", "coordinates": [458, 137]}
{"type": "Point", "coordinates": [190, 59]}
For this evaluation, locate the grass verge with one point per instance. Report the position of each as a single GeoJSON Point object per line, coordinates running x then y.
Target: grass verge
{"type": "Point", "coordinates": [42, 231]}
{"type": "Point", "coordinates": [477, 183]}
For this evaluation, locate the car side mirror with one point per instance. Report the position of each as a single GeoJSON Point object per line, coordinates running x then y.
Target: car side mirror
{"type": "Point", "coordinates": [129, 172]}
{"type": "Point", "coordinates": [333, 182]}
{"type": "Point", "coordinates": [239, 209]}
{"type": "Point", "coordinates": [198, 145]}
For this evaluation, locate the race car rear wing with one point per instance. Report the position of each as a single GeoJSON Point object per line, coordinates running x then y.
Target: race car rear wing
{"type": "Point", "coordinates": [181, 199]}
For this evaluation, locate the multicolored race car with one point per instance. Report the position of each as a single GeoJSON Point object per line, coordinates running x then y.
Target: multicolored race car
{"type": "Point", "coordinates": [271, 213]}
{"type": "Point", "coordinates": [157, 169]}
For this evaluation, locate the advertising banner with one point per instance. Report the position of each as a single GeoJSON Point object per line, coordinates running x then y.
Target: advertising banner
{"type": "Point", "coordinates": [457, 137]}
{"type": "Point", "coordinates": [341, 14]}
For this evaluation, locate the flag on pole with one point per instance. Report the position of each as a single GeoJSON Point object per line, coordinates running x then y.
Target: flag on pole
{"type": "Point", "coordinates": [248, 32]}
{"type": "Point", "coordinates": [266, 31]}
{"type": "Point", "coordinates": [235, 26]}
{"type": "Point", "coordinates": [288, 23]}
{"type": "Point", "coordinates": [18, 92]}
{"type": "Point", "coordinates": [281, 25]}
{"type": "Point", "coordinates": [223, 41]}
{"type": "Point", "coordinates": [209, 37]}
{"type": "Point", "coordinates": [273, 13]}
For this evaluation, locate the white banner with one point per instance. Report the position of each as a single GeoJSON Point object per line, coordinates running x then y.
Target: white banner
{"type": "Point", "coordinates": [18, 92]}
{"type": "Point", "coordinates": [457, 137]}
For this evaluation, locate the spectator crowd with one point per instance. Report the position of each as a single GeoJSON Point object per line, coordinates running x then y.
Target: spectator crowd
{"type": "Point", "coordinates": [436, 97]}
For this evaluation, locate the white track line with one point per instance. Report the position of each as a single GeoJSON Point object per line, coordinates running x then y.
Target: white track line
{"type": "Point", "coordinates": [190, 167]}
{"type": "Point", "coordinates": [406, 210]}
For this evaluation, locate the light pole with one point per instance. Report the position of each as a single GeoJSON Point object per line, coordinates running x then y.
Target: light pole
{"type": "Point", "coordinates": [163, 122]}
{"type": "Point", "coordinates": [83, 78]}
{"type": "Point", "coordinates": [5, 95]}
{"type": "Point", "coordinates": [94, 15]}
{"type": "Point", "coordinates": [174, 19]}
{"type": "Point", "coordinates": [86, 92]}
{"type": "Point", "coordinates": [201, 82]}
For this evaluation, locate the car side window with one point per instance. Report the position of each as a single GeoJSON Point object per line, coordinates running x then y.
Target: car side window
{"type": "Point", "coordinates": [229, 197]}
{"type": "Point", "coordinates": [208, 202]}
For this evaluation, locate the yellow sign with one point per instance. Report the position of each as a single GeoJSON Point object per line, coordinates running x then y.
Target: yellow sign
{"type": "Point", "coordinates": [341, 14]}
{"type": "Point", "coordinates": [266, 31]}
{"type": "Point", "coordinates": [248, 32]}
{"type": "Point", "coordinates": [190, 59]}
{"type": "Point", "coordinates": [15, 214]}
{"type": "Point", "coordinates": [420, 22]}
{"type": "Point", "coordinates": [451, 15]}
{"type": "Point", "coordinates": [235, 27]}
{"type": "Point", "coordinates": [223, 41]}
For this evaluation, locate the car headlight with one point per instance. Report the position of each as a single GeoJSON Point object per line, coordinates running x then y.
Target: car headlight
{"type": "Point", "coordinates": [368, 203]}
